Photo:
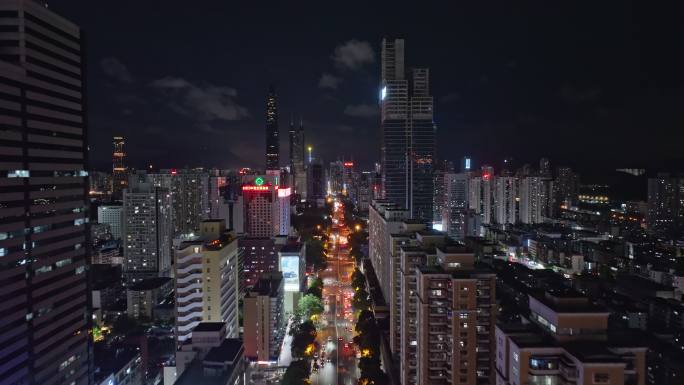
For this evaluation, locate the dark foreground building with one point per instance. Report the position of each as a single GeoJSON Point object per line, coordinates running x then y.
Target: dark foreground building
{"type": "Point", "coordinates": [44, 313]}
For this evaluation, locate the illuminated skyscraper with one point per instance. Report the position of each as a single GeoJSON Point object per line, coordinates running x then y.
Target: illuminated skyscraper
{"type": "Point", "coordinates": [272, 139]}
{"type": "Point", "coordinates": [119, 174]}
{"type": "Point", "coordinates": [407, 133]}
{"type": "Point", "coordinates": [44, 311]}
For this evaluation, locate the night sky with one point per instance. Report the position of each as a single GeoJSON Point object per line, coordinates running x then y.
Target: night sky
{"type": "Point", "coordinates": [594, 85]}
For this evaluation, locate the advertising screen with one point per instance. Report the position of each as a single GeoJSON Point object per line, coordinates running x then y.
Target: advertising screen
{"type": "Point", "coordinates": [289, 266]}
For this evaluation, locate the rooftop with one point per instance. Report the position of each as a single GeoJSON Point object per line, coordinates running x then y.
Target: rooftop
{"type": "Point", "coordinates": [209, 327]}
{"type": "Point", "coordinates": [206, 372]}
{"type": "Point", "coordinates": [229, 351]}
{"type": "Point", "coordinates": [111, 359]}
{"type": "Point", "coordinates": [291, 248]}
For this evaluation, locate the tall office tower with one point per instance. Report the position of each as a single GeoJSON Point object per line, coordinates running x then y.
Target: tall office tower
{"type": "Point", "coordinates": [45, 315]}
{"type": "Point", "coordinates": [297, 167]}
{"type": "Point", "coordinates": [336, 177]}
{"type": "Point", "coordinates": [189, 189]}
{"type": "Point", "coordinates": [112, 216]}
{"type": "Point", "coordinates": [206, 280]}
{"type": "Point", "coordinates": [407, 133]}
{"type": "Point", "coordinates": [315, 182]}
{"type": "Point", "coordinates": [545, 168]}
{"type": "Point", "coordinates": [566, 186]}
{"type": "Point", "coordinates": [455, 205]}
{"type": "Point", "coordinates": [438, 198]}
{"type": "Point", "coordinates": [264, 322]}
{"type": "Point", "coordinates": [267, 207]}
{"type": "Point", "coordinates": [506, 200]}
{"type": "Point", "coordinates": [348, 181]}
{"type": "Point", "coordinates": [365, 186]}
{"type": "Point", "coordinates": [119, 171]}
{"type": "Point", "coordinates": [272, 138]}
{"type": "Point", "coordinates": [466, 164]}
{"type": "Point", "coordinates": [421, 146]}
{"type": "Point", "coordinates": [532, 199]}
{"type": "Point", "coordinates": [665, 202]}
{"type": "Point", "coordinates": [480, 194]}
{"type": "Point", "coordinates": [394, 115]}
{"type": "Point", "coordinates": [455, 318]}
{"type": "Point", "coordinates": [147, 230]}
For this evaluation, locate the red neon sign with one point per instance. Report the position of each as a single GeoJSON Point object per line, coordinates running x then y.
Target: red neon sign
{"type": "Point", "coordinates": [348, 164]}
{"type": "Point", "coordinates": [255, 188]}
{"type": "Point", "coordinates": [174, 171]}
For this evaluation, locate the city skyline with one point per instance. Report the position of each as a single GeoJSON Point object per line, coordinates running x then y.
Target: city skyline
{"type": "Point", "coordinates": [499, 89]}
{"type": "Point", "coordinates": [493, 195]}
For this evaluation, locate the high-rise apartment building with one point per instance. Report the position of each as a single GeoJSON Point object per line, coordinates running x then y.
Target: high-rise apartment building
{"type": "Point", "coordinates": [264, 326]}
{"type": "Point", "coordinates": [189, 189]}
{"type": "Point", "coordinates": [455, 319]}
{"type": "Point", "coordinates": [455, 209]}
{"type": "Point", "coordinates": [506, 200]}
{"type": "Point", "coordinates": [216, 188]}
{"type": "Point", "coordinates": [113, 216]}
{"type": "Point", "coordinates": [297, 164]}
{"type": "Point", "coordinates": [147, 230]}
{"type": "Point", "coordinates": [447, 314]}
{"type": "Point", "coordinates": [407, 133]}
{"type": "Point", "coordinates": [384, 219]}
{"type": "Point", "coordinates": [206, 280]}
{"type": "Point", "coordinates": [665, 202]}
{"type": "Point", "coordinates": [566, 187]}
{"type": "Point", "coordinates": [438, 197]}
{"type": "Point", "coordinates": [45, 315]}
{"type": "Point", "coordinates": [119, 171]}
{"type": "Point", "coordinates": [272, 138]}
{"type": "Point", "coordinates": [533, 198]}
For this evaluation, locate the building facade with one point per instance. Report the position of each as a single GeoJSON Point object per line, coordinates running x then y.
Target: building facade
{"type": "Point", "coordinates": [147, 230]}
{"type": "Point", "coordinates": [264, 327]}
{"type": "Point", "coordinates": [207, 280]}
{"type": "Point", "coordinates": [44, 241]}
{"type": "Point", "coordinates": [112, 216]}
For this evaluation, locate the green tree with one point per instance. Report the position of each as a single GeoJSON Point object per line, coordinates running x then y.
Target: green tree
{"type": "Point", "coordinates": [302, 336]}
{"type": "Point", "coordinates": [316, 288]}
{"type": "Point", "coordinates": [360, 300]}
{"type": "Point", "coordinates": [310, 305]}
{"type": "Point", "coordinates": [314, 254]}
{"type": "Point", "coordinates": [358, 281]}
{"type": "Point", "coordinates": [297, 373]}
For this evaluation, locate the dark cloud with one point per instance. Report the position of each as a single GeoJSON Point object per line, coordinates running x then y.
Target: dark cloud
{"type": "Point", "coordinates": [450, 98]}
{"type": "Point", "coordinates": [115, 69]}
{"type": "Point", "coordinates": [580, 95]}
{"type": "Point", "coordinates": [353, 54]}
{"type": "Point", "coordinates": [203, 102]}
{"type": "Point", "coordinates": [362, 110]}
{"type": "Point", "coordinates": [329, 81]}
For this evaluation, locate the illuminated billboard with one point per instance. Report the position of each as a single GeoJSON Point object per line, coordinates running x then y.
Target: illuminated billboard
{"type": "Point", "coordinates": [383, 93]}
{"type": "Point", "coordinates": [289, 266]}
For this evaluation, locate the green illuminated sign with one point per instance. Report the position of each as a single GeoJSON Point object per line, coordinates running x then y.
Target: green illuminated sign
{"type": "Point", "coordinates": [259, 181]}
